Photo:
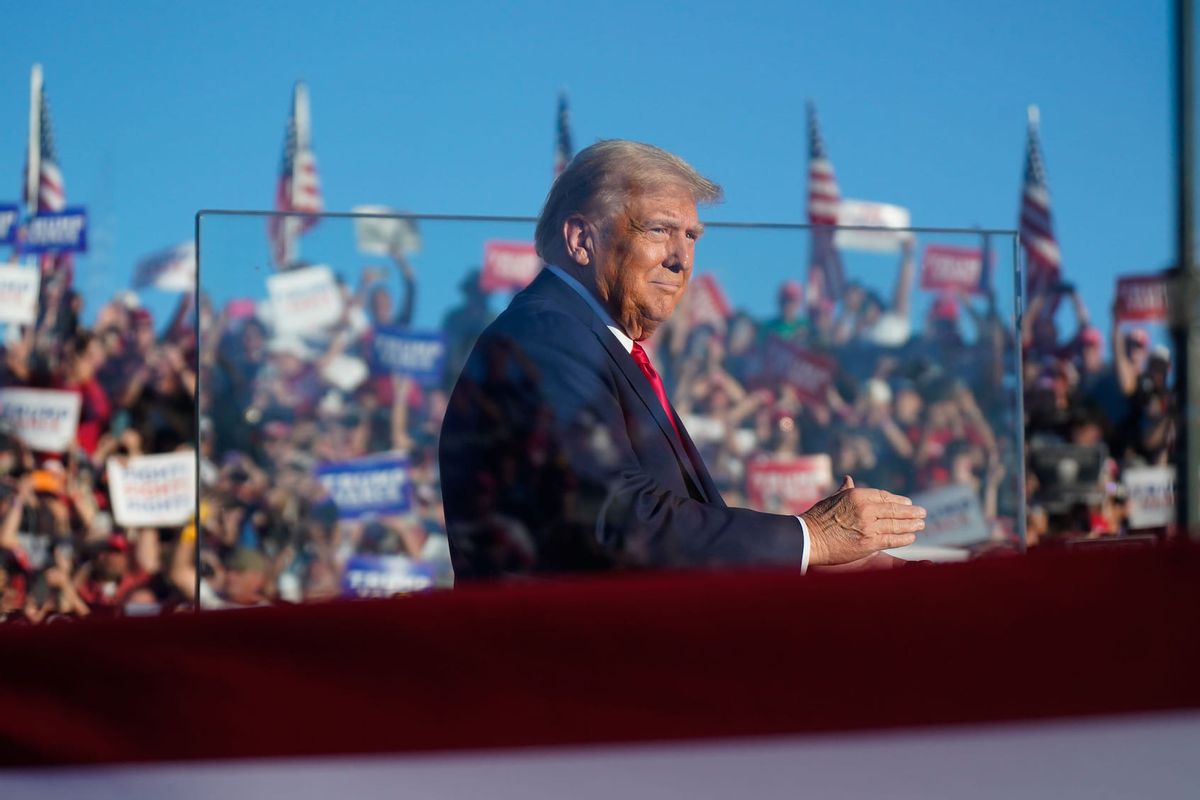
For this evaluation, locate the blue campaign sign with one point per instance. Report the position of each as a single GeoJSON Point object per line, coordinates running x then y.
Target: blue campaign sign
{"type": "Point", "coordinates": [10, 215]}
{"type": "Point", "coordinates": [57, 232]}
{"type": "Point", "coordinates": [384, 576]}
{"type": "Point", "coordinates": [367, 487]}
{"type": "Point", "coordinates": [417, 354]}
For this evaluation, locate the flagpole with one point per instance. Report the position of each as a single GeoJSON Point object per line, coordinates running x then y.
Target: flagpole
{"type": "Point", "coordinates": [33, 175]}
{"type": "Point", "coordinates": [303, 143]}
{"type": "Point", "coordinates": [1184, 322]}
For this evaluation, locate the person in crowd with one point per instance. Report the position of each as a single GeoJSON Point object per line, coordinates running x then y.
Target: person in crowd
{"type": "Point", "coordinates": [865, 318]}
{"type": "Point", "coordinates": [373, 293]}
{"type": "Point", "coordinates": [464, 323]}
{"type": "Point", "coordinates": [791, 321]}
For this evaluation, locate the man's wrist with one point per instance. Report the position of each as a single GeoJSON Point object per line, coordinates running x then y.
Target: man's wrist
{"type": "Point", "coordinates": [814, 550]}
{"type": "Point", "coordinates": [806, 553]}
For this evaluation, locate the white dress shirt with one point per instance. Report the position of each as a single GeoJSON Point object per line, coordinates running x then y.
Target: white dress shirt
{"type": "Point", "coordinates": [627, 343]}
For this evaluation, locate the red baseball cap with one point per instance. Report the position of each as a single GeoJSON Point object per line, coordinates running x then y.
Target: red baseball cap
{"type": "Point", "coordinates": [1138, 336]}
{"type": "Point", "coordinates": [118, 542]}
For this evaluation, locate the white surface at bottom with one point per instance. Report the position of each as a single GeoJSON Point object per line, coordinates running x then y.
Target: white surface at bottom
{"type": "Point", "coordinates": [1145, 756]}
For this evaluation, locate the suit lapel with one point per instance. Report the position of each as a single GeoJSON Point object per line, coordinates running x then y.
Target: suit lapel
{"type": "Point", "coordinates": [645, 393]}
{"type": "Point", "coordinates": [550, 285]}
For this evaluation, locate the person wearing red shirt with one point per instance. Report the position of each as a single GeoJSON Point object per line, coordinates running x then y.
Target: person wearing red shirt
{"type": "Point", "coordinates": [84, 361]}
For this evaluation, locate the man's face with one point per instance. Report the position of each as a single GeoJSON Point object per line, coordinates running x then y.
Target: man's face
{"type": "Point", "coordinates": [112, 565]}
{"type": "Point", "coordinates": [143, 333]}
{"type": "Point", "coordinates": [644, 259]}
{"type": "Point", "coordinates": [244, 585]}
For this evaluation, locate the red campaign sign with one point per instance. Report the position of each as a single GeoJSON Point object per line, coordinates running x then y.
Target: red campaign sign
{"type": "Point", "coordinates": [707, 303]}
{"type": "Point", "coordinates": [809, 373]}
{"type": "Point", "coordinates": [1141, 298]}
{"type": "Point", "coordinates": [788, 486]}
{"type": "Point", "coordinates": [508, 266]}
{"type": "Point", "coordinates": [949, 268]}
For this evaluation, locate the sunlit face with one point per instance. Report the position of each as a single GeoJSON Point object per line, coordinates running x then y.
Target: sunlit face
{"type": "Point", "coordinates": [644, 258]}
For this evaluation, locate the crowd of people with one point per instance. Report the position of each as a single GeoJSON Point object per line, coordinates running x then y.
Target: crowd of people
{"type": "Point", "coordinates": [911, 404]}
{"type": "Point", "coordinates": [1109, 417]}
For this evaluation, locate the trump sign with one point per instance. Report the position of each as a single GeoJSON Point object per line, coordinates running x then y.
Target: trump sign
{"type": "Point", "coordinates": [366, 487]}
{"type": "Point", "coordinates": [421, 356]}
{"type": "Point", "coordinates": [508, 266]}
{"type": "Point", "coordinates": [57, 232]}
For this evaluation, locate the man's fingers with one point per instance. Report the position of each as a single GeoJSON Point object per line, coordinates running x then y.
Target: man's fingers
{"type": "Point", "coordinates": [897, 511]}
{"type": "Point", "coordinates": [847, 483]}
{"type": "Point", "coordinates": [897, 540]}
{"type": "Point", "coordinates": [893, 526]}
{"type": "Point", "coordinates": [881, 511]}
{"type": "Point", "coordinates": [888, 497]}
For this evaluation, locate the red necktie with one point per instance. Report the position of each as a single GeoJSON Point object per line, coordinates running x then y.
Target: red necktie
{"type": "Point", "coordinates": [643, 362]}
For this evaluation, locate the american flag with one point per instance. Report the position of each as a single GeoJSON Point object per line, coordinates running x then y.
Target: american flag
{"type": "Point", "coordinates": [44, 188]}
{"type": "Point", "coordinates": [826, 279]}
{"type": "Point", "coordinates": [299, 187]}
{"type": "Point", "coordinates": [562, 143]}
{"type": "Point", "coordinates": [1036, 226]}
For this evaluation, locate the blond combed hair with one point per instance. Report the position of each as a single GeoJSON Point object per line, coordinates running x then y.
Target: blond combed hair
{"type": "Point", "coordinates": [603, 176]}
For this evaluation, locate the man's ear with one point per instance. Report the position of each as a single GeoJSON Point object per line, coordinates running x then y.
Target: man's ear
{"type": "Point", "coordinates": [579, 239]}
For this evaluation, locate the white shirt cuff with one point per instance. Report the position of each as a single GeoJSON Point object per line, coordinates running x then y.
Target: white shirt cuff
{"type": "Point", "coordinates": [807, 543]}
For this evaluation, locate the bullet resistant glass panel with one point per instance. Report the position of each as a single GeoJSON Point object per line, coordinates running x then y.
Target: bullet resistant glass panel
{"type": "Point", "coordinates": [331, 345]}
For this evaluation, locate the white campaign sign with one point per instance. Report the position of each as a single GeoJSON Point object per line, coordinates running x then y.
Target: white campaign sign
{"type": "Point", "coordinates": [305, 299]}
{"type": "Point", "coordinates": [1151, 496]}
{"type": "Point", "coordinates": [873, 215]}
{"type": "Point", "coordinates": [19, 294]}
{"type": "Point", "coordinates": [151, 491]}
{"type": "Point", "coordinates": [44, 419]}
{"type": "Point", "coordinates": [955, 518]}
{"type": "Point", "coordinates": [383, 236]}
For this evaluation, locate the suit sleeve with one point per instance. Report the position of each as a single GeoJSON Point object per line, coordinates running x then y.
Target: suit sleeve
{"type": "Point", "coordinates": [608, 496]}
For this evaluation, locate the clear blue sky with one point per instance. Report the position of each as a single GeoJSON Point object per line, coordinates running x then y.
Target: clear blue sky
{"type": "Point", "coordinates": [164, 108]}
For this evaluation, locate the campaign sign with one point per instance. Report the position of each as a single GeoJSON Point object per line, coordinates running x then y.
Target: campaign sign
{"type": "Point", "coordinates": [860, 213]}
{"type": "Point", "coordinates": [707, 303]}
{"type": "Point", "coordinates": [1151, 496]}
{"type": "Point", "coordinates": [19, 295]}
{"type": "Point", "coordinates": [153, 491]}
{"type": "Point", "coordinates": [305, 299]}
{"type": "Point", "coordinates": [508, 266]}
{"type": "Point", "coordinates": [44, 419]}
{"type": "Point", "coordinates": [57, 232]}
{"type": "Point", "coordinates": [385, 235]}
{"type": "Point", "coordinates": [370, 486]}
{"type": "Point", "coordinates": [384, 576]}
{"type": "Point", "coordinates": [953, 269]}
{"type": "Point", "coordinates": [955, 517]}
{"type": "Point", "coordinates": [788, 486]}
{"type": "Point", "coordinates": [10, 215]}
{"type": "Point", "coordinates": [419, 355]}
{"type": "Point", "coordinates": [810, 374]}
{"type": "Point", "coordinates": [1141, 298]}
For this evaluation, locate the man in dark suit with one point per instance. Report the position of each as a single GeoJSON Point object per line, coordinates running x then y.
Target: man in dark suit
{"type": "Point", "coordinates": [560, 450]}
